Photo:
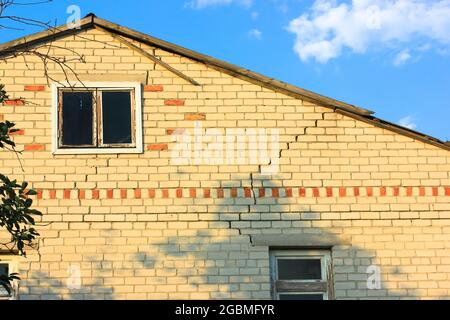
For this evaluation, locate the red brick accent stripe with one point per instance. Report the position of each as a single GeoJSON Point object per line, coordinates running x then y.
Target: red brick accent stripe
{"type": "Point", "coordinates": [245, 192]}
{"type": "Point", "coordinates": [34, 88]}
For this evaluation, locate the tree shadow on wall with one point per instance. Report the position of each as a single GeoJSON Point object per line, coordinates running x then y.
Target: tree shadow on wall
{"type": "Point", "coordinates": [216, 258]}
{"type": "Point", "coordinates": [213, 257]}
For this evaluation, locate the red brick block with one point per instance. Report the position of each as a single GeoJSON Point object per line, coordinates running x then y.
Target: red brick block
{"type": "Point", "coordinates": [158, 147]}
{"type": "Point", "coordinates": [153, 88]}
{"type": "Point", "coordinates": [193, 193]}
{"type": "Point", "coordinates": [110, 194]}
{"type": "Point", "coordinates": [302, 192]}
{"type": "Point", "coordinates": [195, 116]}
{"type": "Point", "coordinates": [137, 193]}
{"type": "Point", "coordinates": [435, 191]}
{"type": "Point", "coordinates": [35, 147]}
{"type": "Point", "coordinates": [67, 194]}
{"type": "Point", "coordinates": [396, 191]}
{"type": "Point", "coordinates": [207, 193]}
{"type": "Point", "coordinates": [16, 102]}
{"type": "Point", "coordinates": [151, 193]}
{"type": "Point", "coordinates": [34, 88]}
{"type": "Point", "coordinates": [262, 192]}
{"type": "Point", "coordinates": [447, 191]}
{"type": "Point", "coordinates": [316, 192]}
{"type": "Point", "coordinates": [369, 191]}
{"type": "Point", "coordinates": [275, 193]}
{"type": "Point", "coordinates": [179, 193]}
{"type": "Point", "coordinates": [220, 193]}
{"type": "Point", "coordinates": [174, 102]}
{"type": "Point", "coordinates": [81, 194]}
{"type": "Point", "coordinates": [383, 191]}
{"type": "Point", "coordinates": [342, 192]}
{"type": "Point", "coordinates": [288, 192]}
{"type": "Point", "coordinates": [165, 193]}
{"type": "Point", "coordinates": [17, 133]}
{"type": "Point", "coordinates": [329, 192]}
{"type": "Point", "coordinates": [95, 194]}
{"type": "Point", "coordinates": [234, 192]}
{"type": "Point", "coordinates": [422, 191]}
{"type": "Point", "coordinates": [123, 194]}
{"type": "Point", "coordinates": [248, 192]}
{"type": "Point", "coordinates": [52, 194]}
{"type": "Point", "coordinates": [356, 191]}
{"type": "Point", "coordinates": [409, 191]}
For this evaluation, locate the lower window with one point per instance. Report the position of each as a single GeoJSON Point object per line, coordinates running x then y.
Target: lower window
{"type": "Point", "coordinates": [7, 267]}
{"type": "Point", "coordinates": [301, 275]}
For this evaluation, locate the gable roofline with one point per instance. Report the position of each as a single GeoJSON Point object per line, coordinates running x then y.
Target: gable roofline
{"type": "Point", "coordinates": [92, 21]}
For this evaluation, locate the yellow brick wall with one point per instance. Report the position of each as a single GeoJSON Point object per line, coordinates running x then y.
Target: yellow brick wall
{"type": "Point", "coordinates": [140, 227]}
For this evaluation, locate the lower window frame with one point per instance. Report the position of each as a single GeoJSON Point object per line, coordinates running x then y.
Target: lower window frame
{"type": "Point", "coordinates": [323, 286]}
{"type": "Point", "coordinates": [13, 267]}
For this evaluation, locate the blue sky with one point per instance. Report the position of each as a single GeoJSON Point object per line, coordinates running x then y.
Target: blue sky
{"type": "Point", "coordinates": [392, 57]}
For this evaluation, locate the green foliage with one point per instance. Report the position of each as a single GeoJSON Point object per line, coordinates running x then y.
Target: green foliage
{"type": "Point", "coordinates": [3, 95]}
{"type": "Point", "coordinates": [16, 214]}
{"type": "Point", "coordinates": [6, 128]}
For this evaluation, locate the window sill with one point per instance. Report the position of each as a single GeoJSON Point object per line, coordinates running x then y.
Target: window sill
{"type": "Point", "coordinates": [99, 151]}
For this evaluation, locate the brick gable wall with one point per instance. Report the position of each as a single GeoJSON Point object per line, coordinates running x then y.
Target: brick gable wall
{"type": "Point", "coordinates": [140, 227]}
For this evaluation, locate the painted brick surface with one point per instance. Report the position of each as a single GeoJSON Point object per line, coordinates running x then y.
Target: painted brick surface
{"type": "Point", "coordinates": [139, 227]}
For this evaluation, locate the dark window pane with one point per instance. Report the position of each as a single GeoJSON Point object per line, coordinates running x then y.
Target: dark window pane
{"type": "Point", "coordinates": [299, 269]}
{"type": "Point", "coordinates": [4, 269]}
{"type": "Point", "coordinates": [116, 117]}
{"type": "Point", "coordinates": [3, 272]}
{"type": "Point", "coordinates": [305, 297]}
{"type": "Point", "coordinates": [77, 118]}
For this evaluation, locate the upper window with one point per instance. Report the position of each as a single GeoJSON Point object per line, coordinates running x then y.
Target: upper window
{"type": "Point", "coordinates": [301, 275]}
{"type": "Point", "coordinates": [98, 118]}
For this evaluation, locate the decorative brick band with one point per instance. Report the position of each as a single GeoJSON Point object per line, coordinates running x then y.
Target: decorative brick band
{"type": "Point", "coordinates": [247, 192]}
{"type": "Point", "coordinates": [34, 88]}
{"type": "Point", "coordinates": [2, 117]}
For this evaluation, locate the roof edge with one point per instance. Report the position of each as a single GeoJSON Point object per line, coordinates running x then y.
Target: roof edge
{"type": "Point", "coordinates": [231, 69]}
{"type": "Point", "coordinates": [91, 20]}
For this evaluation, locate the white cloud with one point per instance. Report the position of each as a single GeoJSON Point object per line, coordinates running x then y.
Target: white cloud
{"type": "Point", "coordinates": [255, 33]}
{"type": "Point", "coordinates": [201, 4]}
{"type": "Point", "coordinates": [254, 15]}
{"type": "Point", "coordinates": [330, 26]}
{"type": "Point", "coordinates": [402, 58]}
{"type": "Point", "coordinates": [408, 122]}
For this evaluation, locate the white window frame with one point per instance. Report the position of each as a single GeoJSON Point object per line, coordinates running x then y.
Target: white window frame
{"type": "Point", "coordinates": [138, 127]}
{"type": "Point", "coordinates": [325, 259]}
{"type": "Point", "coordinates": [13, 267]}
